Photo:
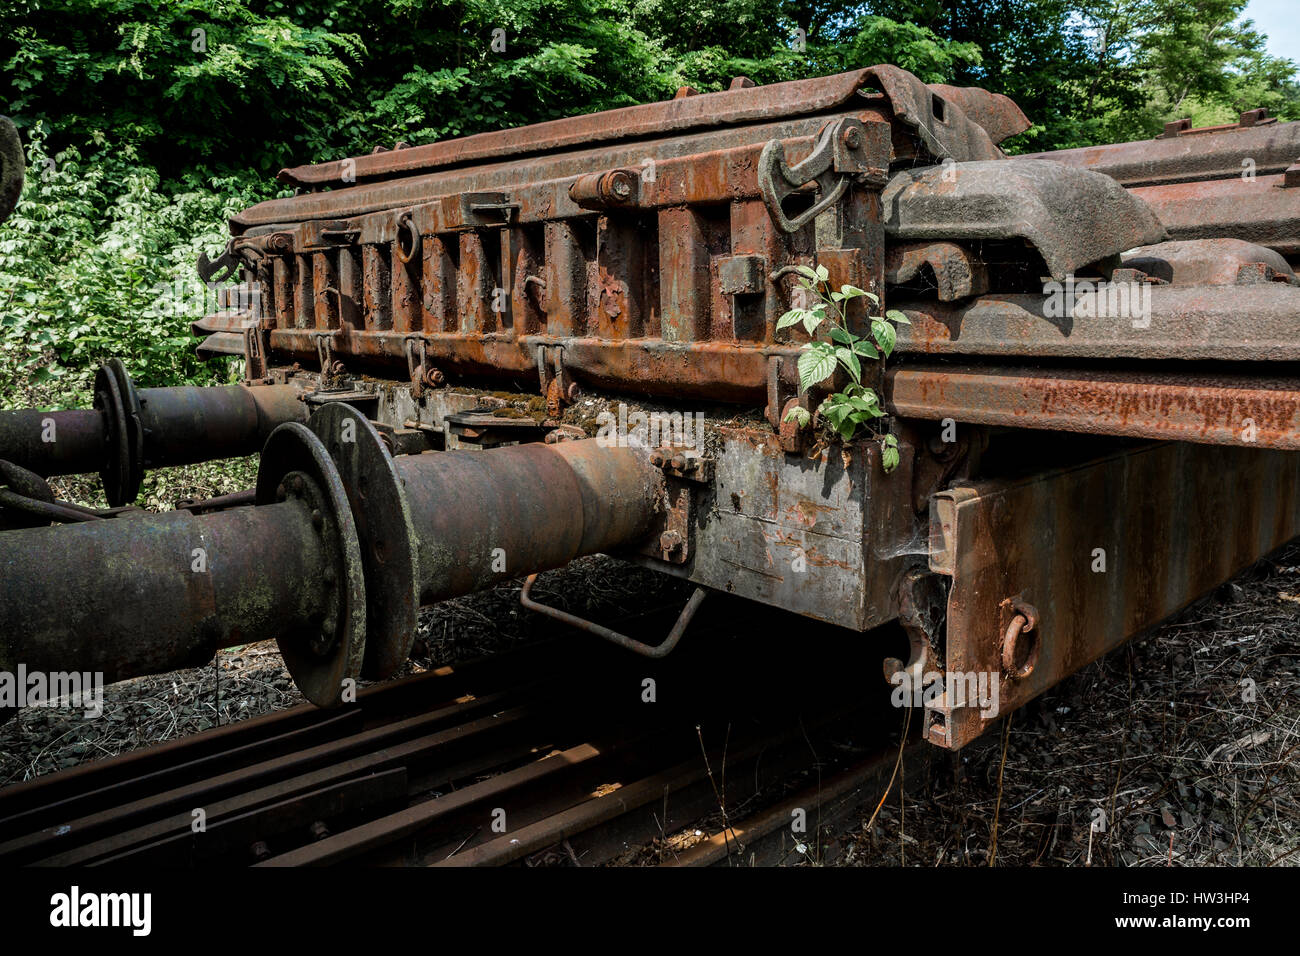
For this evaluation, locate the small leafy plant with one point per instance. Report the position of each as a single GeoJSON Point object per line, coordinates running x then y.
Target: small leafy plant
{"type": "Point", "coordinates": [856, 406]}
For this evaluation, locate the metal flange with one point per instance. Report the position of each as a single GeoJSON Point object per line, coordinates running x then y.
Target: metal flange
{"type": "Point", "coordinates": [387, 534]}
{"type": "Point", "coordinates": [321, 656]}
{"type": "Point", "coordinates": [116, 399]}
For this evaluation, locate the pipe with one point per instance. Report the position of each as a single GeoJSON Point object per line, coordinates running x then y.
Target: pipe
{"type": "Point", "coordinates": [343, 546]}
{"type": "Point", "coordinates": [147, 594]}
{"type": "Point", "coordinates": [441, 524]}
{"type": "Point", "coordinates": [130, 430]}
{"type": "Point", "coordinates": [487, 516]}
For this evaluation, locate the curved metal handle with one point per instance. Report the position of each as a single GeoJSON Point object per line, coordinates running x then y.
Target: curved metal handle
{"type": "Point", "coordinates": [835, 151]}
{"type": "Point", "coordinates": [622, 640]}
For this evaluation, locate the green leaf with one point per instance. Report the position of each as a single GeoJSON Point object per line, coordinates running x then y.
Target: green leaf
{"type": "Point", "coordinates": [800, 415]}
{"type": "Point", "coordinates": [813, 318]}
{"type": "Point", "coordinates": [884, 334]}
{"type": "Point", "coordinates": [850, 361]}
{"type": "Point", "coordinates": [808, 273]}
{"type": "Point", "coordinates": [793, 317]}
{"type": "Point", "coordinates": [822, 274]}
{"type": "Point", "coordinates": [865, 349]}
{"type": "Point", "coordinates": [815, 365]}
{"type": "Point", "coordinates": [889, 456]}
{"type": "Point", "coordinates": [850, 291]}
{"type": "Point", "coordinates": [842, 336]}
{"type": "Point", "coordinates": [897, 317]}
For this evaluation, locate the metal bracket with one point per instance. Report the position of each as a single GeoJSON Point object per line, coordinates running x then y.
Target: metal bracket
{"type": "Point", "coordinates": [622, 640]}
{"type": "Point", "coordinates": [422, 374]}
{"type": "Point", "coordinates": [219, 269]}
{"type": "Point", "coordinates": [781, 397]}
{"type": "Point", "coordinates": [333, 374]}
{"type": "Point", "coordinates": [255, 362]}
{"type": "Point", "coordinates": [838, 154]}
{"type": "Point", "coordinates": [558, 387]}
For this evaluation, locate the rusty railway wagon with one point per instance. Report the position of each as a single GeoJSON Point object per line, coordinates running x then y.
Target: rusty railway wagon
{"type": "Point", "coordinates": [1075, 464]}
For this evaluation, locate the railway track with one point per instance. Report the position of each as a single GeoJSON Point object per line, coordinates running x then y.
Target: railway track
{"type": "Point", "coordinates": [562, 752]}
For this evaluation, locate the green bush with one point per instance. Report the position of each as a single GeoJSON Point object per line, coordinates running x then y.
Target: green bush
{"type": "Point", "coordinates": [98, 262]}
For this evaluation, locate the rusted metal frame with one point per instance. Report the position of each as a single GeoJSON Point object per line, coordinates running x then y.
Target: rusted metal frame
{"type": "Point", "coordinates": [1219, 324]}
{"type": "Point", "coordinates": [712, 176]}
{"type": "Point", "coordinates": [476, 281]}
{"type": "Point", "coordinates": [979, 115]}
{"type": "Point", "coordinates": [622, 278]}
{"type": "Point", "coordinates": [1135, 537]}
{"type": "Point", "coordinates": [565, 278]}
{"type": "Point", "coordinates": [1270, 149]}
{"type": "Point", "coordinates": [541, 185]}
{"type": "Point", "coordinates": [1218, 410]}
{"type": "Point", "coordinates": [723, 370]}
{"type": "Point", "coordinates": [479, 275]}
{"type": "Point", "coordinates": [652, 651]}
{"type": "Point", "coordinates": [1262, 210]}
{"type": "Point", "coordinates": [825, 537]}
{"type": "Point", "coordinates": [440, 263]}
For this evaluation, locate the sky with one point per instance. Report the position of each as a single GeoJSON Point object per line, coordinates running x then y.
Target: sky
{"type": "Point", "coordinates": [1280, 21]}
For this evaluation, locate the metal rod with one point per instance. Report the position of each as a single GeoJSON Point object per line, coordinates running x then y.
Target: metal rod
{"type": "Point", "coordinates": [654, 651]}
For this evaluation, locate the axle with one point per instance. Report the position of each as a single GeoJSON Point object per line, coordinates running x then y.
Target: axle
{"type": "Point", "coordinates": [130, 430]}
{"type": "Point", "coordinates": [343, 545]}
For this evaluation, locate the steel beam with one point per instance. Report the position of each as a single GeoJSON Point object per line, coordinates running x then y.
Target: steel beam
{"type": "Point", "coordinates": [1091, 556]}
{"type": "Point", "coordinates": [1218, 410]}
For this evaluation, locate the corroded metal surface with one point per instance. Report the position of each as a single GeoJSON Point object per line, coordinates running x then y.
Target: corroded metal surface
{"type": "Point", "coordinates": [1073, 217]}
{"type": "Point", "coordinates": [650, 252]}
{"type": "Point", "coordinates": [1210, 262]}
{"type": "Point", "coordinates": [1101, 552]}
{"type": "Point", "coordinates": [1223, 153]}
{"type": "Point", "coordinates": [131, 430]}
{"type": "Point", "coordinates": [1258, 323]}
{"type": "Point", "coordinates": [1220, 409]}
{"type": "Point", "coordinates": [994, 117]}
{"type": "Point", "coordinates": [1261, 209]}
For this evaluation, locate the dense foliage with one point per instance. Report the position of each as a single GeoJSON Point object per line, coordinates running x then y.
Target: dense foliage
{"type": "Point", "coordinates": [148, 121]}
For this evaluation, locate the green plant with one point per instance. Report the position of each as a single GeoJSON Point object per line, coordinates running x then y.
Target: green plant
{"type": "Point", "coordinates": [856, 405]}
